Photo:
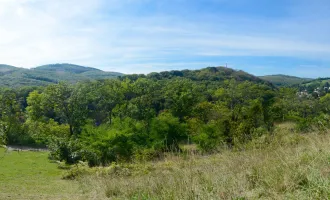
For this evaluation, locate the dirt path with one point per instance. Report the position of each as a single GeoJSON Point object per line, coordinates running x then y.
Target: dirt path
{"type": "Point", "coordinates": [23, 148]}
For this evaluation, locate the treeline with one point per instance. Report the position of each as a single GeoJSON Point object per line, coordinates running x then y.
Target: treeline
{"type": "Point", "coordinates": [140, 117]}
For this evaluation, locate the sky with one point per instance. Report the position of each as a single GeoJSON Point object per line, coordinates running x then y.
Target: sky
{"type": "Point", "coordinates": [142, 36]}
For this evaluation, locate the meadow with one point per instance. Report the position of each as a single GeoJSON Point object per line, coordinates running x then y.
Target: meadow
{"type": "Point", "coordinates": [30, 175]}
{"type": "Point", "coordinates": [283, 165]}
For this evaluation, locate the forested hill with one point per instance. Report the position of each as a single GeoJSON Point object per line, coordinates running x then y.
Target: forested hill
{"type": "Point", "coordinates": [15, 77]}
{"type": "Point", "coordinates": [208, 74]}
{"type": "Point", "coordinates": [284, 80]}
{"type": "Point", "coordinates": [144, 116]}
{"type": "Point", "coordinates": [76, 69]}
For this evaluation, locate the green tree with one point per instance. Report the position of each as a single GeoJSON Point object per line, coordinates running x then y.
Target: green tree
{"type": "Point", "coordinates": [181, 95]}
{"type": "Point", "coordinates": [10, 118]}
{"type": "Point", "coordinates": [69, 104]}
{"type": "Point", "coordinates": [105, 95]}
{"type": "Point", "coordinates": [35, 108]}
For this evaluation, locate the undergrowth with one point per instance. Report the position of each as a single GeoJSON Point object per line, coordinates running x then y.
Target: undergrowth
{"type": "Point", "coordinates": [284, 165]}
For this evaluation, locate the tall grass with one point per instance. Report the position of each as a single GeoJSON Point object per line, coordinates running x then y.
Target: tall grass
{"type": "Point", "coordinates": [286, 165]}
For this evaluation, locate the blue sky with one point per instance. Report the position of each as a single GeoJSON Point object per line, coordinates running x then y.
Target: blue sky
{"type": "Point", "coordinates": [141, 36]}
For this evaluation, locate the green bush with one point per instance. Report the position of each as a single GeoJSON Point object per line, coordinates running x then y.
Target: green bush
{"type": "Point", "coordinates": [167, 132]}
{"type": "Point", "coordinates": [209, 136]}
{"type": "Point", "coordinates": [62, 149]}
{"type": "Point", "coordinates": [43, 132]}
{"type": "Point", "coordinates": [119, 142]}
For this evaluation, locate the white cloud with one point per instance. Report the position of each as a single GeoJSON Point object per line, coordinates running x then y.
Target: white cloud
{"type": "Point", "coordinates": [38, 32]}
{"type": "Point", "coordinates": [35, 32]}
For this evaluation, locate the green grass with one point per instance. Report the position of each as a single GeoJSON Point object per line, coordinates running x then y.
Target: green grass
{"type": "Point", "coordinates": [30, 175]}
{"type": "Point", "coordinates": [284, 165]}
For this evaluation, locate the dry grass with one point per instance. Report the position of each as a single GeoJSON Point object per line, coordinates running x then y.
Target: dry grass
{"type": "Point", "coordinates": [286, 165]}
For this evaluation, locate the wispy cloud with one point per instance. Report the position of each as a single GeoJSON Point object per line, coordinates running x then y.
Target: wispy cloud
{"type": "Point", "coordinates": [142, 36]}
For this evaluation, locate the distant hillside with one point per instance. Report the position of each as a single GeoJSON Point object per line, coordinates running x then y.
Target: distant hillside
{"type": "Point", "coordinates": [209, 74]}
{"type": "Point", "coordinates": [284, 80]}
{"type": "Point", "coordinates": [71, 68]}
{"type": "Point", "coordinates": [4, 69]}
{"type": "Point", "coordinates": [11, 76]}
{"type": "Point", "coordinates": [321, 84]}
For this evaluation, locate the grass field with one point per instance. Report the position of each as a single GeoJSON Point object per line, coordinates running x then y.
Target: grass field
{"type": "Point", "coordinates": [285, 165]}
{"type": "Point", "coordinates": [30, 175]}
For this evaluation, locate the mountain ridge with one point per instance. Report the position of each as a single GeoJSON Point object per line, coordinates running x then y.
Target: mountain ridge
{"type": "Point", "coordinates": [66, 67]}
{"type": "Point", "coordinates": [11, 76]}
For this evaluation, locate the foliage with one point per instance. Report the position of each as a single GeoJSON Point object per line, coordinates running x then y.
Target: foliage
{"type": "Point", "coordinates": [284, 165]}
{"type": "Point", "coordinates": [11, 128]}
{"type": "Point", "coordinates": [167, 132]}
{"type": "Point", "coordinates": [140, 116]}
{"type": "Point", "coordinates": [209, 136]}
{"type": "Point", "coordinates": [65, 150]}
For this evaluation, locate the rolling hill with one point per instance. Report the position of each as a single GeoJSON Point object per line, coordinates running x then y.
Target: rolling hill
{"type": "Point", "coordinates": [14, 77]}
{"type": "Point", "coordinates": [284, 80]}
{"type": "Point", "coordinates": [209, 74]}
{"type": "Point", "coordinates": [11, 76]}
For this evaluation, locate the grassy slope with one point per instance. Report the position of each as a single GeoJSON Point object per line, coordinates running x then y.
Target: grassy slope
{"type": "Point", "coordinates": [317, 82]}
{"type": "Point", "coordinates": [284, 80]}
{"type": "Point", "coordinates": [285, 166]}
{"type": "Point", "coordinates": [29, 175]}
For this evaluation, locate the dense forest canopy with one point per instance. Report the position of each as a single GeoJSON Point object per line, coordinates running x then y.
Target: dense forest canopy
{"type": "Point", "coordinates": [142, 116]}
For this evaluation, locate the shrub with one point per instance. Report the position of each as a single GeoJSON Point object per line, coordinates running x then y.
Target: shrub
{"type": "Point", "coordinates": [209, 136]}
{"type": "Point", "coordinates": [167, 132]}
{"type": "Point", "coordinates": [105, 144]}
{"type": "Point", "coordinates": [65, 150]}
{"type": "Point", "coordinates": [43, 132]}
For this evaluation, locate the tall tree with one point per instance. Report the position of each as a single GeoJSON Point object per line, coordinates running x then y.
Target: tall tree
{"type": "Point", "coordinates": [10, 115]}
{"type": "Point", "coordinates": [69, 104]}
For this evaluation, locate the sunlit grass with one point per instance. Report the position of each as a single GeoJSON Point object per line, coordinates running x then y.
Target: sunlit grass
{"type": "Point", "coordinates": [285, 165]}
{"type": "Point", "coordinates": [30, 175]}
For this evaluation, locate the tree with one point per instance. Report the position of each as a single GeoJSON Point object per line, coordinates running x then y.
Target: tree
{"type": "Point", "coordinates": [147, 101]}
{"type": "Point", "coordinates": [181, 95]}
{"type": "Point", "coordinates": [69, 104]}
{"type": "Point", "coordinates": [35, 108]}
{"type": "Point", "coordinates": [10, 118]}
{"type": "Point", "coordinates": [105, 95]}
